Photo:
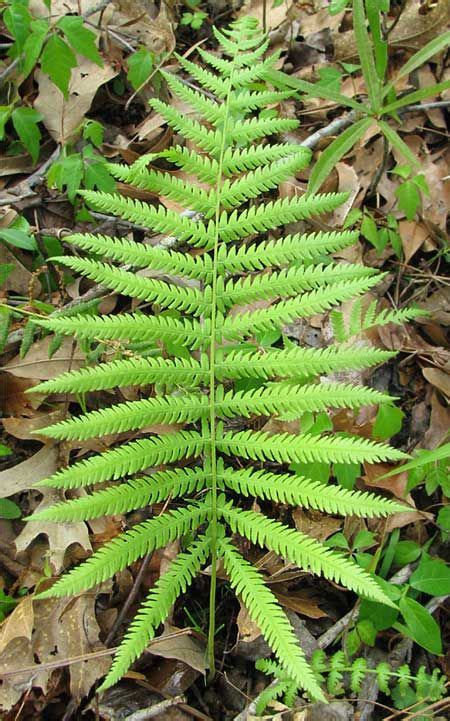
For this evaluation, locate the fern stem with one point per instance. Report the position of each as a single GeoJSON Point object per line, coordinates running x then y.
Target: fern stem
{"type": "Point", "coordinates": [212, 387]}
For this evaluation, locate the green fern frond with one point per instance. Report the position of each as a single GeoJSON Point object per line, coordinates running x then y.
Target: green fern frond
{"type": "Point", "coordinates": [126, 497]}
{"type": "Point", "coordinates": [291, 281]}
{"type": "Point", "coordinates": [152, 290]}
{"type": "Point", "coordinates": [144, 256]}
{"type": "Point", "coordinates": [208, 140]}
{"type": "Point", "coordinates": [264, 609]}
{"type": "Point", "coordinates": [304, 551]}
{"type": "Point", "coordinates": [128, 372]}
{"type": "Point", "coordinates": [299, 491]}
{"type": "Point", "coordinates": [131, 327]}
{"type": "Point", "coordinates": [299, 362]}
{"type": "Point", "coordinates": [281, 399]}
{"type": "Point", "coordinates": [128, 459]}
{"type": "Point", "coordinates": [283, 251]}
{"type": "Point", "coordinates": [225, 67]}
{"type": "Point", "coordinates": [284, 312]}
{"type": "Point", "coordinates": [127, 548]}
{"type": "Point", "coordinates": [204, 167]}
{"type": "Point", "coordinates": [211, 110]}
{"type": "Point", "coordinates": [261, 218]}
{"type": "Point", "coordinates": [305, 448]}
{"type": "Point", "coordinates": [255, 182]}
{"type": "Point", "coordinates": [360, 322]}
{"type": "Point", "coordinates": [167, 186]}
{"type": "Point", "coordinates": [160, 219]}
{"type": "Point", "coordinates": [257, 156]}
{"type": "Point", "coordinates": [207, 80]}
{"type": "Point", "coordinates": [130, 416]}
{"type": "Point", "coordinates": [224, 176]}
{"type": "Point", "coordinates": [157, 607]}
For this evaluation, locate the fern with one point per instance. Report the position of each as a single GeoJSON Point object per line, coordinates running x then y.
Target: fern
{"type": "Point", "coordinates": [338, 671]}
{"type": "Point", "coordinates": [190, 301]}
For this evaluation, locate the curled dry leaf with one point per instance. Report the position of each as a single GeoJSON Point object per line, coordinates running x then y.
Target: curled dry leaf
{"type": "Point", "coordinates": [439, 379]}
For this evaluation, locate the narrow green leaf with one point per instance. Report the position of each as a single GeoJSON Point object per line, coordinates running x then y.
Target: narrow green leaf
{"type": "Point", "coordinates": [395, 140]}
{"type": "Point", "coordinates": [420, 58]}
{"type": "Point", "coordinates": [365, 52]}
{"type": "Point", "coordinates": [25, 121]}
{"type": "Point", "coordinates": [423, 459]}
{"type": "Point", "coordinates": [416, 97]}
{"type": "Point", "coordinates": [57, 62]}
{"type": "Point", "coordinates": [80, 38]}
{"type": "Point", "coordinates": [5, 112]}
{"type": "Point", "coordinates": [335, 151]}
{"type": "Point", "coordinates": [373, 11]}
{"type": "Point", "coordinates": [5, 319]}
{"type": "Point", "coordinates": [280, 79]}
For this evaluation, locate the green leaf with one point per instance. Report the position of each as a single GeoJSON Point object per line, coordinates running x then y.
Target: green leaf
{"type": "Point", "coordinates": [5, 319]}
{"type": "Point", "coordinates": [367, 632]}
{"type": "Point", "coordinates": [25, 121]}
{"type": "Point", "coordinates": [373, 11]}
{"type": "Point", "coordinates": [67, 173]}
{"type": "Point", "coordinates": [18, 238]}
{"type": "Point", "coordinates": [365, 53]}
{"type": "Point", "coordinates": [5, 112]}
{"type": "Point", "coordinates": [9, 509]}
{"type": "Point", "coordinates": [57, 62]}
{"type": "Point", "coordinates": [93, 131]}
{"type": "Point", "coordinates": [140, 66]}
{"type": "Point", "coordinates": [346, 474]}
{"type": "Point", "coordinates": [96, 175]}
{"type": "Point", "coordinates": [421, 57]}
{"type": "Point", "coordinates": [5, 270]}
{"type": "Point", "coordinates": [369, 230]}
{"type": "Point", "coordinates": [416, 96]}
{"type": "Point", "coordinates": [381, 616]}
{"type": "Point", "coordinates": [80, 38]}
{"type": "Point", "coordinates": [4, 450]}
{"type": "Point", "coordinates": [33, 45]}
{"type": "Point", "coordinates": [396, 142]}
{"type": "Point", "coordinates": [420, 625]}
{"type": "Point", "coordinates": [406, 552]}
{"type": "Point", "coordinates": [335, 151]}
{"type": "Point", "coordinates": [337, 6]}
{"type": "Point", "coordinates": [408, 198]}
{"type": "Point", "coordinates": [443, 521]}
{"type": "Point", "coordinates": [17, 19]}
{"type": "Point", "coordinates": [432, 576]}
{"type": "Point", "coordinates": [388, 422]}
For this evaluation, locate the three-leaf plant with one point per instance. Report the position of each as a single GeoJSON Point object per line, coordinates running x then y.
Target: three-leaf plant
{"type": "Point", "coordinates": [217, 461]}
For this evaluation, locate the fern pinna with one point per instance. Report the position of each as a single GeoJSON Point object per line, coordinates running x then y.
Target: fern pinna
{"type": "Point", "coordinates": [235, 263]}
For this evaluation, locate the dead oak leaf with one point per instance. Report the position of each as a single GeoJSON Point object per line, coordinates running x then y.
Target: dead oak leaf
{"type": "Point", "coordinates": [22, 477]}
{"type": "Point", "coordinates": [60, 535]}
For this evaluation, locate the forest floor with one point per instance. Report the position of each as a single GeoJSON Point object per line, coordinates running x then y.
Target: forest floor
{"type": "Point", "coordinates": [53, 653]}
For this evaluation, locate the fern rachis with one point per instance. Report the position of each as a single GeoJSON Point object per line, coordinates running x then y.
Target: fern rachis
{"type": "Point", "coordinates": [200, 391]}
